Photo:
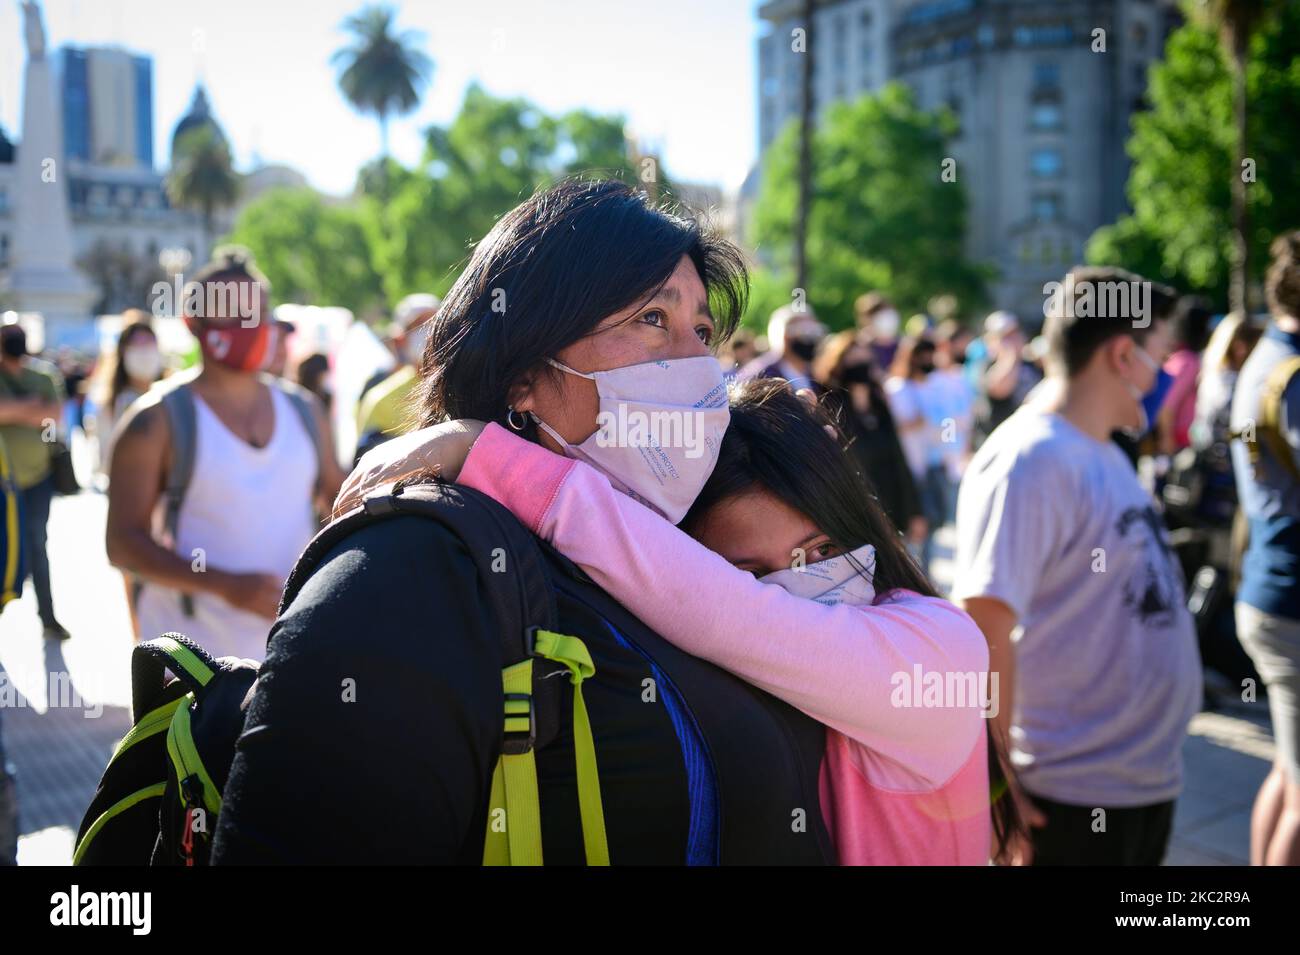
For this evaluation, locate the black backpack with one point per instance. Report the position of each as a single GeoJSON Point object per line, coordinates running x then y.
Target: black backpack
{"type": "Point", "coordinates": [155, 806]}
{"type": "Point", "coordinates": [158, 799]}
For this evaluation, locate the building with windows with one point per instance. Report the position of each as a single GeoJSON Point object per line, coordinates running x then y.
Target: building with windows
{"type": "Point", "coordinates": [1043, 118]}
{"type": "Point", "coordinates": [121, 219]}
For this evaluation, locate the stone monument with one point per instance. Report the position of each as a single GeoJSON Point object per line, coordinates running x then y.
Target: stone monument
{"type": "Point", "coordinates": [42, 276]}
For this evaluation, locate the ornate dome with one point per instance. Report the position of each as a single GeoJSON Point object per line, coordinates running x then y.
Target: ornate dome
{"type": "Point", "coordinates": [200, 114]}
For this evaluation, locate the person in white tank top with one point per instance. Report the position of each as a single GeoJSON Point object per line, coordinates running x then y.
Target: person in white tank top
{"type": "Point", "coordinates": [257, 483]}
{"type": "Point", "coordinates": [248, 510]}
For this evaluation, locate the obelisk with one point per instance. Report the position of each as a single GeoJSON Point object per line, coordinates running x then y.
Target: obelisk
{"type": "Point", "coordinates": [42, 276]}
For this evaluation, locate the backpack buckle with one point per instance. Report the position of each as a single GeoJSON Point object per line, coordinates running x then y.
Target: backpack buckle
{"type": "Point", "coordinates": [517, 742]}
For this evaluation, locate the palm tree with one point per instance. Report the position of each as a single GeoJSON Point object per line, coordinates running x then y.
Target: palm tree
{"type": "Point", "coordinates": [1236, 22]}
{"type": "Point", "coordinates": [383, 71]}
{"type": "Point", "coordinates": [203, 177]}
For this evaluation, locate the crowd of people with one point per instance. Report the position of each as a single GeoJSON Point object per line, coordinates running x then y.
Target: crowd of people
{"type": "Point", "coordinates": [770, 575]}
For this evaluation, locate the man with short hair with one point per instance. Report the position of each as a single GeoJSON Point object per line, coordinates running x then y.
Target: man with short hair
{"type": "Point", "coordinates": [31, 405]}
{"type": "Point", "coordinates": [259, 473]}
{"type": "Point", "coordinates": [1063, 561]}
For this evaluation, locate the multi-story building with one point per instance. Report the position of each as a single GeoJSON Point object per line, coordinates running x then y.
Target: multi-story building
{"type": "Point", "coordinates": [121, 218]}
{"type": "Point", "coordinates": [1043, 117]}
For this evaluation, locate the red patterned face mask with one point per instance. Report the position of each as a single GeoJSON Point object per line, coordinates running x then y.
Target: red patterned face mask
{"type": "Point", "coordinates": [234, 346]}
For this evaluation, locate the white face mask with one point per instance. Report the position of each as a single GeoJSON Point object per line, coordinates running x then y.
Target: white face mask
{"type": "Point", "coordinates": [142, 362]}
{"type": "Point", "coordinates": [659, 429]}
{"type": "Point", "coordinates": [846, 579]}
{"type": "Point", "coordinates": [886, 323]}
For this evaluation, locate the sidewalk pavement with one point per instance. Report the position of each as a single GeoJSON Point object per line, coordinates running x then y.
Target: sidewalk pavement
{"type": "Point", "coordinates": [60, 750]}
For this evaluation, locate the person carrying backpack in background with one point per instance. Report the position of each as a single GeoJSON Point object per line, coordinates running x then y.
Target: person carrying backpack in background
{"type": "Point", "coordinates": [31, 405]}
{"type": "Point", "coordinates": [1266, 417]}
{"type": "Point", "coordinates": [217, 477]}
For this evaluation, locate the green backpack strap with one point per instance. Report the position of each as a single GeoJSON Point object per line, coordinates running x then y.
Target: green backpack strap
{"type": "Point", "coordinates": [514, 832]}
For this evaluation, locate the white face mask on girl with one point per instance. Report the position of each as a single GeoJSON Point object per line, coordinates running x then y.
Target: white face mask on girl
{"type": "Point", "coordinates": [846, 579]}
{"type": "Point", "coordinates": [658, 432]}
{"type": "Point", "coordinates": [142, 362]}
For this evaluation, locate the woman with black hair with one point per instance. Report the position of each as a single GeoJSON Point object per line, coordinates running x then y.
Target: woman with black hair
{"type": "Point", "coordinates": [580, 298]}
{"type": "Point", "coordinates": [841, 622]}
{"type": "Point", "coordinates": [856, 401]}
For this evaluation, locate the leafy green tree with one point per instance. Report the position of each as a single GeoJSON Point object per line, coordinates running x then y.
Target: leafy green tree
{"type": "Point", "coordinates": [881, 215]}
{"type": "Point", "coordinates": [1185, 162]}
{"type": "Point", "coordinates": [384, 71]}
{"type": "Point", "coordinates": [202, 176]}
{"type": "Point", "coordinates": [495, 153]}
{"type": "Point", "coordinates": [312, 251]}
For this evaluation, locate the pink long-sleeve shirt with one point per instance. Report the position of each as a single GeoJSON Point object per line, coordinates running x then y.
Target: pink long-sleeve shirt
{"type": "Point", "coordinates": [900, 784]}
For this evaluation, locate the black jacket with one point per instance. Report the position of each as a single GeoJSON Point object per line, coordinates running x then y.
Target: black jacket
{"type": "Point", "coordinates": [695, 765]}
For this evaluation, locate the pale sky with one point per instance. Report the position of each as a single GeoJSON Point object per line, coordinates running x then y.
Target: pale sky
{"type": "Point", "coordinates": [681, 71]}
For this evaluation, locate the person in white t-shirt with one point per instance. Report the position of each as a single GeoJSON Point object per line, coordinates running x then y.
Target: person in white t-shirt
{"type": "Point", "coordinates": [1063, 561]}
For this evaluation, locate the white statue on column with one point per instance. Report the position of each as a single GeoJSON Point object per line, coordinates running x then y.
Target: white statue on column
{"type": "Point", "coordinates": [42, 277]}
{"type": "Point", "coordinates": [35, 30]}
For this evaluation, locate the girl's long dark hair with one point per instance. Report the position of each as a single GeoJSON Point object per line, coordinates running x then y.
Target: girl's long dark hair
{"type": "Point", "coordinates": [779, 443]}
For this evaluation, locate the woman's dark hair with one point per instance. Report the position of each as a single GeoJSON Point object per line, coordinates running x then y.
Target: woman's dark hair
{"type": "Point", "coordinates": [777, 442]}
{"type": "Point", "coordinates": [119, 380]}
{"type": "Point", "coordinates": [1191, 322]}
{"type": "Point", "coordinates": [546, 275]}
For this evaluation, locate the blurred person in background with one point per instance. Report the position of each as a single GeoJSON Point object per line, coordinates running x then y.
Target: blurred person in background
{"type": "Point", "coordinates": [280, 357]}
{"type": "Point", "coordinates": [738, 352]}
{"type": "Point", "coordinates": [855, 399]}
{"type": "Point", "coordinates": [313, 374]}
{"type": "Point", "coordinates": [954, 400]}
{"type": "Point", "coordinates": [215, 566]}
{"type": "Point", "coordinates": [1230, 344]}
{"type": "Point", "coordinates": [1190, 327]}
{"type": "Point", "coordinates": [793, 335]}
{"type": "Point", "coordinates": [1003, 380]}
{"type": "Point", "coordinates": [878, 326]}
{"type": "Point", "coordinates": [385, 409]}
{"type": "Point", "coordinates": [917, 417]}
{"type": "Point", "coordinates": [1059, 544]}
{"type": "Point", "coordinates": [126, 373]}
{"type": "Point", "coordinates": [31, 405]}
{"type": "Point", "coordinates": [1266, 415]}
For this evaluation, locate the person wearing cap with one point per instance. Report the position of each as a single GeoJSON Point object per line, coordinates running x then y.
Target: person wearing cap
{"type": "Point", "coordinates": [384, 410]}
{"type": "Point", "coordinates": [31, 404]}
{"type": "Point", "coordinates": [793, 334]}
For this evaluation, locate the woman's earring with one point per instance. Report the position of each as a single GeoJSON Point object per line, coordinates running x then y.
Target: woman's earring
{"type": "Point", "coordinates": [510, 420]}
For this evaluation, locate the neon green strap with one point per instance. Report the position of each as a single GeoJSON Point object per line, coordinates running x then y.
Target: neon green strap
{"type": "Point", "coordinates": [572, 652]}
{"type": "Point", "coordinates": [185, 658]}
{"type": "Point", "coordinates": [514, 831]}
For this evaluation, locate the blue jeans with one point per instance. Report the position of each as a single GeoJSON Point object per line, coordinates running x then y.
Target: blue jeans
{"type": "Point", "coordinates": [35, 502]}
